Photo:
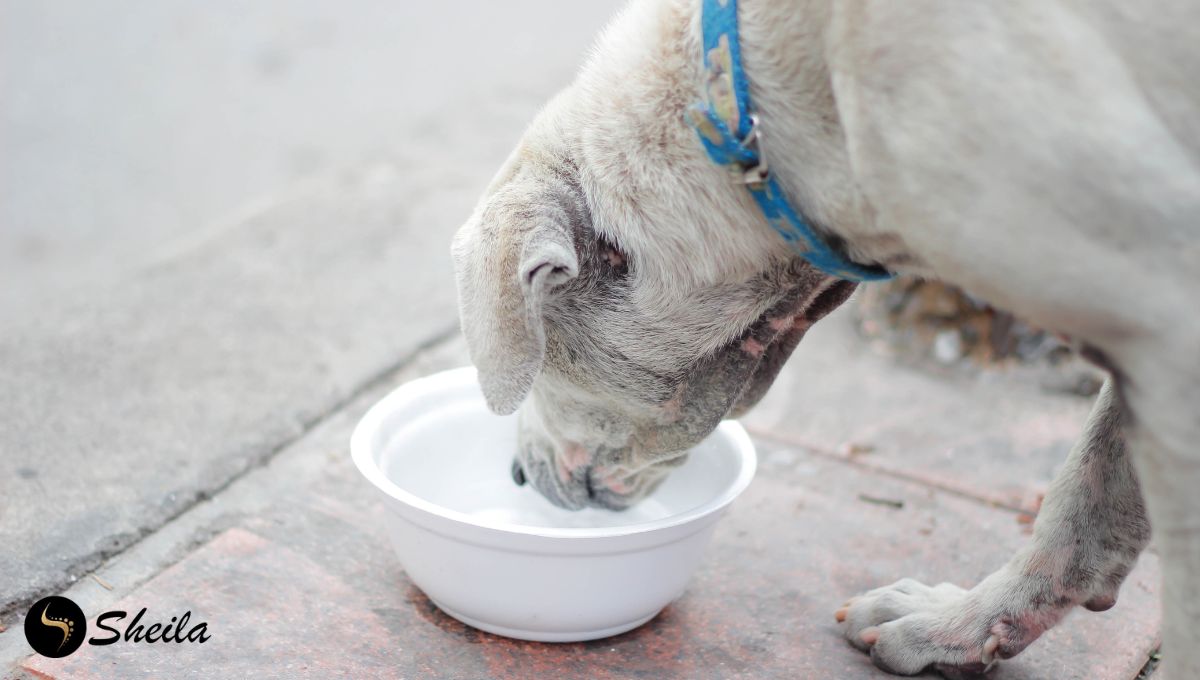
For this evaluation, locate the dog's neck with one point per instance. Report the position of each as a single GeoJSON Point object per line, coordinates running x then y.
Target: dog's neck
{"type": "Point", "coordinates": [653, 59]}
{"type": "Point", "coordinates": [784, 48]}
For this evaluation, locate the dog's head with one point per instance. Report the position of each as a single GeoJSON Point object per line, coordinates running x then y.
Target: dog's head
{"type": "Point", "coordinates": [619, 356]}
{"type": "Point", "coordinates": [618, 287]}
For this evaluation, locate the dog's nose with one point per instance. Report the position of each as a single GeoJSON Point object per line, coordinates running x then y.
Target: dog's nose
{"type": "Point", "coordinates": [518, 472]}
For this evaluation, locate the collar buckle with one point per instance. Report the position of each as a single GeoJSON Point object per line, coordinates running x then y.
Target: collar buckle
{"type": "Point", "coordinates": [720, 119]}
{"type": "Point", "coordinates": [753, 142]}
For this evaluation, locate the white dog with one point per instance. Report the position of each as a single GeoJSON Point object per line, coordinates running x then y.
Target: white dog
{"type": "Point", "coordinates": [1042, 154]}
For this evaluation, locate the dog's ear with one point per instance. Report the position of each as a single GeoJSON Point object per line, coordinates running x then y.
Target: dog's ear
{"type": "Point", "coordinates": [508, 259]}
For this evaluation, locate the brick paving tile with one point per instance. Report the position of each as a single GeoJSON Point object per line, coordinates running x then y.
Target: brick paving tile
{"type": "Point", "coordinates": [994, 435]}
{"type": "Point", "coordinates": [312, 590]}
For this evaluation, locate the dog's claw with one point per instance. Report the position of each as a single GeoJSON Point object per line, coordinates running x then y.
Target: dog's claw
{"type": "Point", "coordinates": [869, 635]}
{"type": "Point", "coordinates": [840, 615]}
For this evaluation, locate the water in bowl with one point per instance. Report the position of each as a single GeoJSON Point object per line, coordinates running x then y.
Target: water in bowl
{"type": "Point", "coordinates": [458, 456]}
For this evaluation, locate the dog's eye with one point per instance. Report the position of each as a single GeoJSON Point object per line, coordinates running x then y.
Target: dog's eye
{"type": "Point", "coordinates": [611, 258]}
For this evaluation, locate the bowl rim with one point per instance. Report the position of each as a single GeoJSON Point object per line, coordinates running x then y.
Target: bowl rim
{"type": "Point", "coordinates": [368, 465]}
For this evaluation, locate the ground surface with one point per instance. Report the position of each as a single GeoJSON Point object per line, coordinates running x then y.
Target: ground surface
{"type": "Point", "coordinates": [224, 235]}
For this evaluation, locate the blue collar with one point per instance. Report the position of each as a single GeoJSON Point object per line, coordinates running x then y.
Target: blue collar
{"type": "Point", "coordinates": [729, 130]}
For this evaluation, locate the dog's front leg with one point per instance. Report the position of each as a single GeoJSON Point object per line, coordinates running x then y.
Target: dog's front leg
{"type": "Point", "coordinates": [1087, 538]}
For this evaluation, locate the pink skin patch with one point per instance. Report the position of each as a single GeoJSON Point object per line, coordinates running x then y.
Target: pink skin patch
{"type": "Point", "coordinates": [781, 324]}
{"type": "Point", "coordinates": [753, 347]}
{"type": "Point", "coordinates": [572, 459]}
{"type": "Point", "coordinates": [672, 409]}
{"type": "Point", "coordinates": [617, 486]}
{"type": "Point", "coordinates": [612, 480]}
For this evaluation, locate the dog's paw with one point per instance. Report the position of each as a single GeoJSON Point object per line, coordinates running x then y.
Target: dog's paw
{"type": "Point", "coordinates": [909, 627]}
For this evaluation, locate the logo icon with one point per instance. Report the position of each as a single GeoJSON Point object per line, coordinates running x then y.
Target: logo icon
{"type": "Point", "coordinates": [55, 626]}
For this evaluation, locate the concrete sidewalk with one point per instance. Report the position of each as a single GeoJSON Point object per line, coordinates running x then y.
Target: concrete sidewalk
{"type": "Point", "coordinates": [127, 126]}
{"type": "Point", "coordinates": [290, 567]}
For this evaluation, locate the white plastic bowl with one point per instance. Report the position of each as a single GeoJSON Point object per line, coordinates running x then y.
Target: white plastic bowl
{"type": "Point", "coordinates": [503, 559]}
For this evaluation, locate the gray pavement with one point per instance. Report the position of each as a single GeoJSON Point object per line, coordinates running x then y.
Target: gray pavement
{"type": "Point", "coordinates": [125, 125]}
{"type": "Point", "coordinates": [219, 222]}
